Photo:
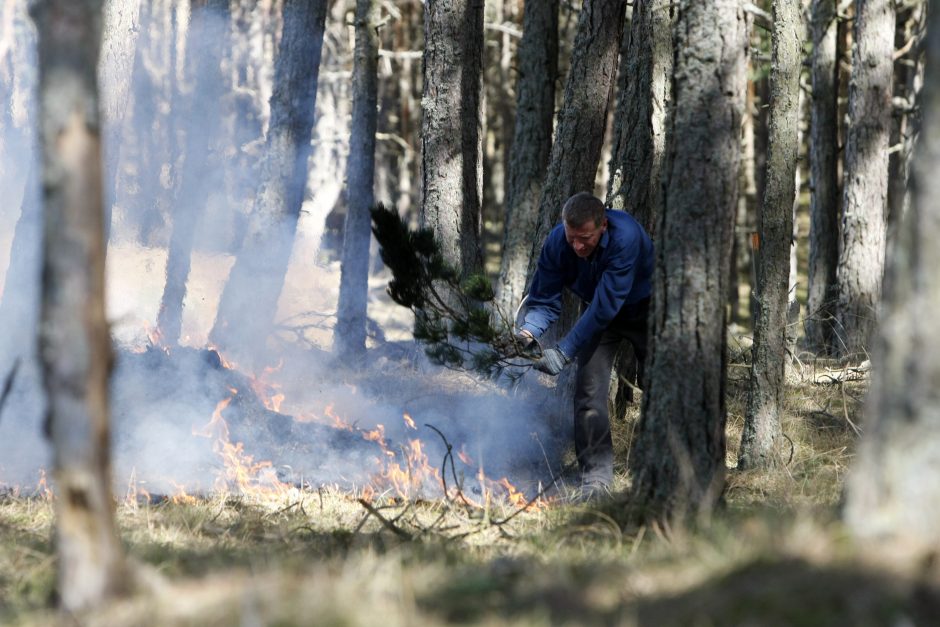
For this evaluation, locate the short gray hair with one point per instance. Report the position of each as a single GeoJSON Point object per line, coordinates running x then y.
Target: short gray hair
{"type": "Point", "coordinates": [581, 208]}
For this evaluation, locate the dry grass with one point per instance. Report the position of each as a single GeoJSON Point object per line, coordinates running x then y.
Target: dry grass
{"type": "Point", "coordinates": [775, 555]}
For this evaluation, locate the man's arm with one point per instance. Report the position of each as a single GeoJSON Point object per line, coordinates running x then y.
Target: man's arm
{"type": "Point", "coordinates": [543, 305]}
{"type": "Point", "coordinates": [611, 292]}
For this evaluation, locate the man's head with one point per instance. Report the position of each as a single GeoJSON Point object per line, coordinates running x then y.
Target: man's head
{"type": "Point", "coordinates": [585, 222]}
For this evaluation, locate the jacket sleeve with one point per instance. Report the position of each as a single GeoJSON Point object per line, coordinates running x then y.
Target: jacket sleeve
{"type": "Point", "coordinates": [612, 290]}
{"type": "Point", "coordinates": [544, 302]}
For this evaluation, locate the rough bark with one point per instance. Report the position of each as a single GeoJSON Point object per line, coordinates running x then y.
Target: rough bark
{"type": "Point", "coordinates": [582, 120]}
{"type": "Point", "coordinates": [74, 343]}
{"type": "Point", "coordinates": [208, 30]}
{"type": "Point", "coordinates": [864, 201]}
{"type": "Point", "coordinates": [909, 78]}
{"type": "Point", "coordinates": [893, 491]}
{"type": "Point", "coordinates": [635, 182]}
{"type": "Point", "coordinates": [349, 334]}
{"type": "Point", "coordinates": [20, 181]}
{"type": "Point", "coordinates": [531, 147]}
{"type": "Point", "coordinates": [824, 181]}
{"type": "Point", "coordinates": [249, 299]}
{"type": "Point", "coordinates": [678, 458]}
{"type": "Point", "coordinates": [775, 228]}
{"type": "Point", "coordinates": [452, 129]}
{"type": "Point", "coordinates": [639, 145]}
{"type": "Point", "coordinates": [121, 26]}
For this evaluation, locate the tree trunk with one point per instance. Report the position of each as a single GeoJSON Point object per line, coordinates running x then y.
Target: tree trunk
{"type": "Point", "coordinates": [909, 77]}
{"type": "Point", "coordinates": [249, 300]}
{"type": "Point", "coordinates": [893, 491]}
{"type": "Point", "coordinates": [452, 129]}
{"type": "Point", "coordinates": [635, 184]}
{"type": "Point", "coordinates": [208, 34]}
{"type": "Point", "coordinates": [121, 26]}
{"type": "Point", "coordinates": [640, 140]}
{"type": "Point", "coordinates": [583, 117]}
{"type": "Point", "coordinates": [824, 181]}
{"type": "Point", "coordinates": [349, 334]}
{"type": "Point", "coordinates": [678, 458]}
{"type": "Point", "coordinates": [864, 202]}
{"type": "Point", "coordinates": [531, 147]}
{"type": "Point", "coordinates": [74, 341]}
{"type": "Point", "coordinates": [775, 228]}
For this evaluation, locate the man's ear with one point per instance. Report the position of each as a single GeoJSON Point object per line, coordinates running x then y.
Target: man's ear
{"type": "Point", "coordinates": [604, 225]}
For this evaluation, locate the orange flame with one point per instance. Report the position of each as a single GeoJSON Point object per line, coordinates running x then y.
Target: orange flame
{"type": "Point", "coordinates": [409, 421]}
{"type": "Point", "coordinates": [43, 490]}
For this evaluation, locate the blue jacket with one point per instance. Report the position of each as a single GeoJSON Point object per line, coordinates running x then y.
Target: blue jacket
{"type": "Point", "coordinates": [617, 273]}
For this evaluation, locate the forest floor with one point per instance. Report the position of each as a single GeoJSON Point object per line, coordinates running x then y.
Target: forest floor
{"type": "Point", "coordinates": [775, 553]}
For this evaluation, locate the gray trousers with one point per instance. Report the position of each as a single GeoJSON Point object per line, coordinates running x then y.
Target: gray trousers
{"type": "Point", "coordinates": [592, 440]}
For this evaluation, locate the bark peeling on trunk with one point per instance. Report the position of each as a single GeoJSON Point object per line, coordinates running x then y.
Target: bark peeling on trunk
{"type": "Point", "coordinates": [678, 458]}
{"type": "Point", "coordinates": [74, 342]}
{"type": "Point", "coordinates": [893, 491]}
{"type": "Point", "coordinates": [452, 137]}
{"type": "Point", "coordinates": [865, 193]}
{"type": "Point", "coordinates": [775, 225]}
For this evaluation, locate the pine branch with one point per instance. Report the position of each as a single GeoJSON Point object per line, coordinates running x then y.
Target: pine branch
{"type": "Point", "coordinates": [457, 320]}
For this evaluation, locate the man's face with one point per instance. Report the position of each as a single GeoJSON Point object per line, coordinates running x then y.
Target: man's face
{"type": "Point", "coordinates": [583, 239]}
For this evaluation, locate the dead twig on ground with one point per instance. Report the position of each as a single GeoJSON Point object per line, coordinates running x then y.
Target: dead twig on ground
{"type": "Point", "coordinates": [398, 531]}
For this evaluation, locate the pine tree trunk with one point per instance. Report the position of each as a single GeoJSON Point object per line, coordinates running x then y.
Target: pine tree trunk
{"type": "Point", "coordinates": [909, 77]}
{"type": "Point", "coordinates": [893, 491]}
{"type": "Point", "coordinates": [582, 120]}
{"type": "Point", "coordinates": [678, 458]}
{"type": "Point", "coordinates": [635, 183]}
{"type": "Point", "coordinates": [121, 27]}
{"type": "Point", "coordinates": [349, 334]}
{"type": "Point", "coordinates": [824, 181]}
{"type": "Point", "coordinates": [775, 226]}
{"type": "Point", "coordinates": [531, 147]}
{"type": "Point", "coordinates": [208, 34]}
{"type": "Point", "coordinates": [249, 300]}
{"type": "Point", "coordinates": [74, 341]}
{"type": "Point", "coordinates": [452, 129]}
{"type": "Point", "coordinates": [864, 202]}
{"type": "Point", "coordinates": [640, 141]}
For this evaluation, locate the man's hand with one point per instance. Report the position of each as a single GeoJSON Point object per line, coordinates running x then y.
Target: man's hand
{"type": "Point", "coordinates": [552, 362]}
{"type": "Point", "coordinates": [527, 341]}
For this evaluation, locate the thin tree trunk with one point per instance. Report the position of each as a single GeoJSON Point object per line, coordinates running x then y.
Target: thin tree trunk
{"type": "Point", "coordinates": [824, 181]}
{"type": "Point", "coordinates": [678, 458]}
{"type": "Point", "coordinates": [349, 334]}
{"type": "Point", "coordinates": [531, 147]}
{"type": "Point", "coordinates": [893, 489]}
{"type": "Point", "coordinates": [909, 77]}
{"type": "Point", "coordinates": [635, 184]}
{"type": "Point", "coordinates": [765, 392]}
{"type": "Point", "coordinates": [208, 30]}
{"type": "Point", "coordinates": [452, 129]}
{"type": "Point", "coordinates": [583, 117]}
{"type": "Point", "coordinates": [74, 341]}
{"type": "Point", "coordinates": [864, 201]}
{"type": "Point", "coordinates": [640, 124]}
{"type": "Point", "coordinates": [249, 300]}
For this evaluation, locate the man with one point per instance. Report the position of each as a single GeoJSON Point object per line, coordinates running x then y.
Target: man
{"type": "Point", "coordinates": [606, 259]}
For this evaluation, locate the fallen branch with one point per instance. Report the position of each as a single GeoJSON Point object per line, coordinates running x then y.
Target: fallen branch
{"type": "Point", "coordinates": [835, 376]}
{"type": "Point", "coordinates": [398, 531]}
